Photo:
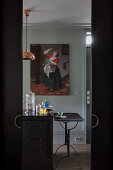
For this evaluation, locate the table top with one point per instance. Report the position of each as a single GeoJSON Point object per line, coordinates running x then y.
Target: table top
{"type": "Point", "coordinates": [69, 117]}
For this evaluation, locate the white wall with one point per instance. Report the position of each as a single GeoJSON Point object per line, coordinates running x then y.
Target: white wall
{"type": "Point", "coordinates": [75, 102]}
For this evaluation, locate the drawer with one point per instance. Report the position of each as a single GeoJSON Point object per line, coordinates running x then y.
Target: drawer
{"type": "Point", "coordinates": [36, 148]}
{"type": "Point", "coordinates": [34, 127]}
{"type": "Point", "coordinates": [37, 151]}
{"type": "Point", "coordinates": [42, 166]}
{"type": "Point", "coordinates": [40, 141]}
{"type": "Point", "coordinates": [35, 124]}
{"type": "Point", "coordinates": [33, 135]}
{"type": "Point", "coordinates": [34, 163]}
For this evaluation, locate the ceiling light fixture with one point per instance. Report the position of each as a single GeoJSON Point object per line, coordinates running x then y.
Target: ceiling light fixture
{"type": "Point", "coordinates": [26, 54]}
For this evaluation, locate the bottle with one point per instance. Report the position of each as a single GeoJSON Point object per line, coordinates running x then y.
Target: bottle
{"type": "Point", "coordinates": [30, 103]}
{"type": "Point", "coordinates": [38, 109]}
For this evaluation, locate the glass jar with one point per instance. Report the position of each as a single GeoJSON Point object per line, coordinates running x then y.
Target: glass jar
{"type": "Point", "coordinates": [30, 103]}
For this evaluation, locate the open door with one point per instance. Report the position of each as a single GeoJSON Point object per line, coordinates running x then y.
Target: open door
{"type": "Point", "coordinates": [11, 86]}
{"type": "Point", "coordinates": [102, 84]}
{"type": "Point", "coordinates": [11, 108]}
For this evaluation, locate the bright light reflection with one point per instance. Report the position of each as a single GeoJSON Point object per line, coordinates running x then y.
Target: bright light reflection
{"type": "Point", "coordinates": [88, 39]}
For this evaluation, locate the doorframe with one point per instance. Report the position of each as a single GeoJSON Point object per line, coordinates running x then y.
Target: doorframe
{"type": "Point", "coordinates": [97, 5]}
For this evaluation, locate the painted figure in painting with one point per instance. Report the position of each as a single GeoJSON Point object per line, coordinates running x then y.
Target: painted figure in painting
{"type": "Point", "coordinates": [50, 69]}
{"type": "Point", "coordinates": [52, 76]}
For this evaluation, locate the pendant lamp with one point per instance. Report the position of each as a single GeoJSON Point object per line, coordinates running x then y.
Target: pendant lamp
{"type": "Point", "coordinates": [26, 54]}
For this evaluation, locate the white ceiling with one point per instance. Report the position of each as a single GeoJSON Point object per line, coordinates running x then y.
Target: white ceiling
{"type": "Point", "coordinates": [68, 12]}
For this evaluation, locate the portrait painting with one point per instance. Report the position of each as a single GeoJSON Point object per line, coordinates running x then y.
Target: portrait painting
{"type": "Point", "coordinates": [50, 69]}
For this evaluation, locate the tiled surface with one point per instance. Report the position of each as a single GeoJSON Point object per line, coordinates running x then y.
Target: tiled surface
{"type": "Point", "coordinates": [84, 158]}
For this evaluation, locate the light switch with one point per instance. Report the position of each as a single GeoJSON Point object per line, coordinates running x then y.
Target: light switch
{"type": "Point", "coordinates": [88, 97]}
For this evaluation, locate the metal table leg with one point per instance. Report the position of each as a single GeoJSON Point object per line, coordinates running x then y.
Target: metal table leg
{"type": "Point", "coordinates": [66, 139]}
{"type": "Point", "coordinates": [74, 150]}
{"type": "Point", "coordinates": [67, 157]}
{"type": "Point", "coordinates": [58, 149]}
{"type": "Point", "coordinates": [67, 142]}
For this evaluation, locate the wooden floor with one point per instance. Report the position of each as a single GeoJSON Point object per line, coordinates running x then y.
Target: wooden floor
{"type": "Point", "coordinates": [83, 157]}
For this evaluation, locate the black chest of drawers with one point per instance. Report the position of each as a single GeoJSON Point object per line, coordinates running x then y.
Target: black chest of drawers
{"type": "Point", "coordinates": [37, 143]}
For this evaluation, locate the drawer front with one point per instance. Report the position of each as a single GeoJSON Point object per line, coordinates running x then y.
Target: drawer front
{"type": "Point", "coordinates": [36, 134]}
{"type": "Point", "coordinates": [36, 128]}
{"type": "Point", "coordinates": [39, 151]}
{"type": "Point", "coordinates": [32, 162]}
{"type": "Point", "coordinates": [36, 141]}
{"type": "Point", "coordinates": [35, 125]}
{"type": "Point", "coordinates": [42, 166]}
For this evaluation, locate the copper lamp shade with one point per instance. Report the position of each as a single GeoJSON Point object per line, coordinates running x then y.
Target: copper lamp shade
{"type": "Point", "coordinates": [26, 54]}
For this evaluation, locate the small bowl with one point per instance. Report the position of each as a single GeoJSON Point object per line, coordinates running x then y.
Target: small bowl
{"type": "Point", "coordinates": [60, 113]}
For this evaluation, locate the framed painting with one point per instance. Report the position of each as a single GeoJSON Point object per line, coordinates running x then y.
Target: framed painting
{"type": "Point", "coordinates": [50, 69]}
